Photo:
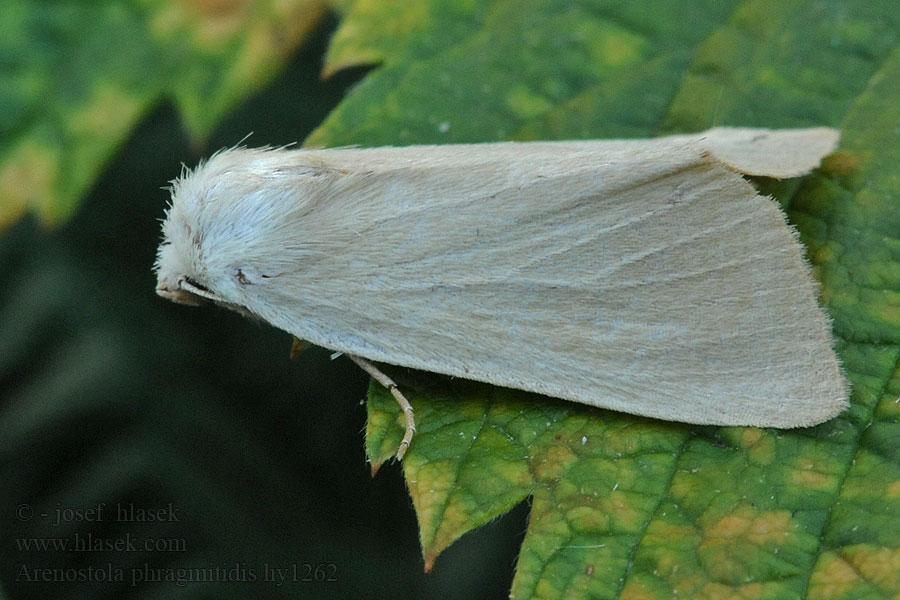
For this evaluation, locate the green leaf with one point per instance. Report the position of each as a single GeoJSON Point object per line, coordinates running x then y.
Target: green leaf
{"type": "Point", "coordinates": [77, 76]}
{"type": "Point", "coordinates": [624, 507]}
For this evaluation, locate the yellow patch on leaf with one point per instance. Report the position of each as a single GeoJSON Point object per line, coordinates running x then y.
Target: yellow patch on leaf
{"type": "Point", "coordinates": [28, 179]}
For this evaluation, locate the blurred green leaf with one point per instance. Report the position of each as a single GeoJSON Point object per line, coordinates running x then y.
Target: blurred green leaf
{"type": "Point", "coordinates": [624, 507]}
{"type": "Point", "coordinates": [76, 75]}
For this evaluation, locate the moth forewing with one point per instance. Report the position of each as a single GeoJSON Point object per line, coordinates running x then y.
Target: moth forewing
{"type": "Point", "coordinates": [645, 276]}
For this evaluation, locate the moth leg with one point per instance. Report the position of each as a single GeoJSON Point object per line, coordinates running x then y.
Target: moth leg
{"type": "Point", "coordinates": [388, 383]}
{"type": "Point", "coordinates": [298, 346]}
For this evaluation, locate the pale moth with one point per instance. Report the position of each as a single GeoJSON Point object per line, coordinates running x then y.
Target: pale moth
{"type": "Point", "coordinates": [644, 276]}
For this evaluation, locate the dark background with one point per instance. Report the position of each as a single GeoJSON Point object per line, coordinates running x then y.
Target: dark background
{"type": "Point", "coordinates": [111, 395]}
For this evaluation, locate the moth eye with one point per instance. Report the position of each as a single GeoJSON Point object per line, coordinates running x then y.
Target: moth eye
{"type": "Point", "coordinates": [247, 275]}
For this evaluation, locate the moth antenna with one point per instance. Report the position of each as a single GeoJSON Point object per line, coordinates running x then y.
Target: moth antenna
{"type": "Point", "coordinates": [389, 384]}
{"type": "Point", "coordinates": [198, 290]}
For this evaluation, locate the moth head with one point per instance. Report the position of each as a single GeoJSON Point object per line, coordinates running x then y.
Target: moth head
{"type": "Point", "coordinates": [208, 228]}
{"type": "Point", "coordinates": [179, 261]}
